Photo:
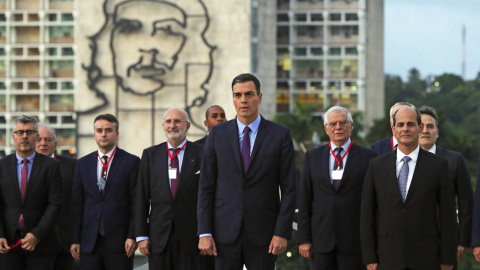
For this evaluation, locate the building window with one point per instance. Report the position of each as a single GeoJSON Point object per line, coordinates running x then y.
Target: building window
{"type": "Point", "coordinates": [335, 51]}
{"type": "Point", "coordinates": [335, 17]}
{"type": "Point", "coordinates": [301, 51]}
{"type": "Point", "coordinates": [351, 17]}
{"type": "Point", "coordinates": [282, 17]}
{"type": "Point", "coordinates": [316, 51]}
{"type": "Point", "coordinates": [351, 51]}
{"type": "Point", "coordinates": [301, 17]}
{"type": "Point", "coordinates": [316, 17]}
{"type": "Point", "coordinates": [283, 52]}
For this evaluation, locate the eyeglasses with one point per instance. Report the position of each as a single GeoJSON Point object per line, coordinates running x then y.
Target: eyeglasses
{"type": "Point", "coordinates": [29, 132]}
{"type": "Point", "coordinates": [342, 123]}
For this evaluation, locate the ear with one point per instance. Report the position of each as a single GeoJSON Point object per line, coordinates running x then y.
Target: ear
{"type": "Point", "coordinates": [188, 126]}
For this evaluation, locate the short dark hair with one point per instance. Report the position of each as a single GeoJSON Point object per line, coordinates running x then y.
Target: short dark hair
{"type": "Point", "coordinates": [430, 111]}
{"type": "Point", "coordinates": [247, 77]}
{"type": "Point", "coordinates": [207, 112]}
{"type": "Point", "coordinates": [109, 117]}
{"type": "Point", "coordinates": [419, 116]}
{"type": "Point", "coordinates": [25, 119]}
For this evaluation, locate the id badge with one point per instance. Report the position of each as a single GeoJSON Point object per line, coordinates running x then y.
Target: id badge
{"type": "Point", "coordinates": [337, 174]}
{"type": "Point", "coordinates": [172, 173]}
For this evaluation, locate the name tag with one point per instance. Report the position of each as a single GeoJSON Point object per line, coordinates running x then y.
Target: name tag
{"type": "Point", "coordinates": [337, 174]}
{"type": "Point", "coordinates": [172, 173]}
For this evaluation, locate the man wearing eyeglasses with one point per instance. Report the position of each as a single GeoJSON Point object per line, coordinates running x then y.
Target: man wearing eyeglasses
{"type": "Point", "coordinates": [47, 145]}
{"type": "Point", "coordinates": [330, 189]}
{"type": "Point", "coordinates": [30, 194]}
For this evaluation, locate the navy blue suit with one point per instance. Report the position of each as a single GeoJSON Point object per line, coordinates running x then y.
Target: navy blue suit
{"type": "Point", "coordinates": [476, 215]}
{"type": "Point", "coordinates": [115, 204]}
{"type": "Point", "coordinates": [383, 146]}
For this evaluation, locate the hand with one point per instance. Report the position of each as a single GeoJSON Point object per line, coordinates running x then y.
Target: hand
{"type": "Point", "coordinates": [3, 246]}
{"type": "Point", "coordinates": [305, 250]}
{"type": "Point", "coordinates": [144, 247]}
{"type": "Point", "coordinates": [277, 245]}
{"type": "Point", "coordinates": [372, 266]}
{"type": "Point", "coordinates": [460, 252]}
{"type": "Point", "coordinates": [75, 250]}
{"type": "Point", "coordinates": [207, 246]}
{"type": "Point", "coordinates": [446, 267]}
{"type": "Point", "coordinates": [130, 247]}
{"type": "Point", "coordinates": [29, 242]}
{"type": "Point", "coordinates": [476, 253]}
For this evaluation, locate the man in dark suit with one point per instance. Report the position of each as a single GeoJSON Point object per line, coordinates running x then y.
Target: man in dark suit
{"type": "Point", "coordinates": [243, 217]}
{"type": "Point", "coordinates": [103, 196]}
{"type": "Point", "coordinates": [458, 174]}
{"type": "Point", "coordinates": [408, 205]}
{"type": "Point", "coordinates": [30, 194]}
{"type": "Point", "coordinates": [213, 116]}
{"type": "Point", "coordinates": [330, 189]}
{"type": "Point", "coordinates": [166, 205]}
{"type": "Point", "coordinates": [475, 243]}
{"type": "Point", "coordinates": [46, 145]}
{"type": "Point", "coordinates": [388, 145]}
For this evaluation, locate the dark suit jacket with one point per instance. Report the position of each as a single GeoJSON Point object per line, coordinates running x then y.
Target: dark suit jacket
{"type": "Point", "coordinates": [462, 185]}
{"type": "Point", "coordinates": [417, 233]}
{"type": "Point", "coordinates": [202, 141]}
{"type": "Point", "coordinates": [64, 224]}
{"type": "Point", "coordinates": [153, 191]}
{"type": "Point", "coordinates": [115, 204]}
{"type": "Point", "coordinates": [476, 214]}
{"type": "Point", "coordinates": [40, 207]}
{"type": "Point", "coordinates": [229, 199]}
{"type": "Point", "coordinates": [382, 147]}
{"type": "Point", "coordinates": [330, 218]}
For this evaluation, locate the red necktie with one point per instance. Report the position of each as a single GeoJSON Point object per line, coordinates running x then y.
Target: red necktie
{"type": "Point", "coordinates": [336, 166]}
{"type": "Point", "coordinates": [23, 188]}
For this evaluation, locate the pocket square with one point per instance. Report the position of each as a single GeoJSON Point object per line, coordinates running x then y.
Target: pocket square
{"type": "Point", "coordinates": [197, 172]}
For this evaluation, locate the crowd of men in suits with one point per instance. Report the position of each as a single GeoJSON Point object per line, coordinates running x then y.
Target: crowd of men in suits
{"type": "Point", "coordinates": [228, 200]}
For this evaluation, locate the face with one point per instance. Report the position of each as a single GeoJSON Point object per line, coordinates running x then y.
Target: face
{"type": "Point", "coordinates": [46, 144]}
{"type": "Point", "coordinates": [153, 40]}
{"type": "Point", "coordinates": [406, 129]}
{"type": "Point", "coordinates": [246, 101]}
{"type": "Point", "coordinates": [25, 144]}
{"type": "Point", "coordinates": [216, 115]}
{"type": "Point", "coordinates": [338, 128]}
{"type": "Point", "coordinates": [175, 126]}
{"type": "Point", "coordinates": [429, 134]}
{"type": "Point", "coordinates": [106, 135]}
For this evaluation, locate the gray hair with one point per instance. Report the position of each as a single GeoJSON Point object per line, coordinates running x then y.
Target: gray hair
{"type": "Point", "coordinates": [398, 104]}
{"type": "Point", "coordinates": [52, 130]}
{"type": "Point", "coordinates": [25, 119]}
{"type": "Point", "coordinates": [181, 110]}
{"type": "Point", "coordinates": [334, 109]}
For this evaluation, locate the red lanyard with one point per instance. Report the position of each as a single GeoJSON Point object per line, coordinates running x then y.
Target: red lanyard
{"type": "Point", "coordinates": [393, 148]}
{"type": "Point", "coordinates": [16, 244]}
{"type": "Point", "coordinates": [176, 153]}
{"type": "Point", "coordinates": [105, 165]}
{"type": "Point", "coordinates": [335, 156]}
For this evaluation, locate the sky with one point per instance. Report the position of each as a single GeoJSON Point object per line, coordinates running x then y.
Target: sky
{"type": "Point", "coordinates": [427, 35]}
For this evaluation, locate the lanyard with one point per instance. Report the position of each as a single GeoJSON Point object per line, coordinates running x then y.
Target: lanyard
{"type": "Point", "coordinates": [16, 244]}
{"type": "Point", "coordinates": [105, 165]}
{"type": "Point", "coordinates": [176, 153]}
{"type": "Point", "coordinates": [393, 148]}
{"type": "Point", "coordinates": [335, 156]}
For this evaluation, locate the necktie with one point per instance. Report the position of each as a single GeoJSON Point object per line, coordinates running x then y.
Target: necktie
{"type": "Point", "coordinates": [403, 177]}
{"type": "Point", "coordinates": [103, 178]}
{"type": "Point", "coordinates": [336, 183]}
{"type": "Point", "coordinates": [23, 188]}
{"type": "Point", "coordinates": [246, 148]}
{"type": "Point", "coordinates": [174, 165]}
{"type": "Point", "coordinates": [105, 160]}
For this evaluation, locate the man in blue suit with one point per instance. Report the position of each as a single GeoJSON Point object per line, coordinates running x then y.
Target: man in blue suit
{"type": "Point", "coordinates": [103, 196]}
{"type": "Point", "coordinates": [389, 144]}
{"type": "Point", "coordinates": [247, 186]}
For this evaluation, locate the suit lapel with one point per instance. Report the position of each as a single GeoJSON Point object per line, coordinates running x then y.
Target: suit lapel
{"type": "Point", "coordinates": [352, 162]}
{"type": "Point", "coordinates": [417, 174]}
{"type": "Point", "coordinates": [92, 180]}
{"type": "Point", "coordinates": [391, 171]}
{"type": "Point", "coordinates": [187, 167]}
{"type": "Point", "coordinates": [233, 135]}
{"type": "Point", "coordinates": [324, 162]}
{"type": "Point", "coordinates": [261, 133]}
{"type": "Point", "coordinates": [13, 174]}
{"type": "Point", "coordinates": [36, 166]}
{"type": "Point", "coordinates": [112, 175]}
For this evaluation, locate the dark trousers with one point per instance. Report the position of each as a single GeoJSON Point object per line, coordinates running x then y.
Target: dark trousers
{"type": "Point", "coordinates": [335, 260]}
{"type": "Point", "coordinates": [242, 252]}
{"type": "Point", "coordinates": [103, 259]}
{"type": "Point", "coordinates": [174, 257]}
{"type": "Point", "coordinates": [63, 261]}
{"type": "Point", "coordinates": [20, 259]}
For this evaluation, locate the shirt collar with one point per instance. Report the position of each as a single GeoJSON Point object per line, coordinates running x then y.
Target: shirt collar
{"type": "Point", "coordinates": [20, 159]}
{"type": "Point", "coordinates": [253, 126]}
{"type": "Point", "coordinates": [413, 155]}
{"type": "Point", "coordinates": [433, 149]}
{"type": "Point", "coordinates": [395, 141]}
{"type": "Point", "coordinates": [344, 146]}
{"type": "Point", "coordinates": [109, 154]}
{"type": "Point", "coordinates": [178, 147]}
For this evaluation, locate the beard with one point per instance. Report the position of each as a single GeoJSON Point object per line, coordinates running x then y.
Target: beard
{"type": "Point", "coordinates": [181, 133]}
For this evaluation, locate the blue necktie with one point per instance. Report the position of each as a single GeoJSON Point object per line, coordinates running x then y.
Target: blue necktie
{"type": "Point", "coordinates": [403, 177]}
{"type": "Point", "coordinates": [246, 148]}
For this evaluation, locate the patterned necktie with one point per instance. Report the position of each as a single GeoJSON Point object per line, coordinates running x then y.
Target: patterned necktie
{"type": "Point", "coordinates": [174, 165]}
{"type": "Point", "coordinates": [403, 177]}
{"type": "Point", "coordinates": [105, 160]}
{"type": "Point", "coordinates": [23, 188]}
{"type": "Point", "coordinates": [336, 183]}
{"type": "Point", "coordinates": [246, 148]}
